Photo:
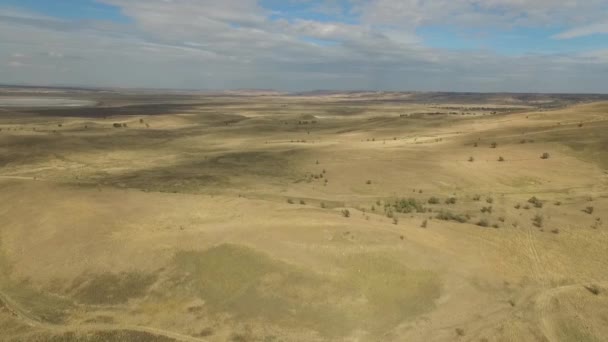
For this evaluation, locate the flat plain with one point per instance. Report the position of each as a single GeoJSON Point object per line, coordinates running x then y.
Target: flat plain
{"type": "Point", "coordinates": [327, 216]}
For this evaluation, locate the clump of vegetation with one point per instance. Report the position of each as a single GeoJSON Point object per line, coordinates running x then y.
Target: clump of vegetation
{"type": "Point", "coordinates": [594, 289]}
{"type": "Point", "coordinates": [494, 145]}
{"type": "Point", "coordinates": [557, 203]}
{"type": "Point", "coordinates": [489, 200]}
{"type": "Point", "coordinates": [345, 213]}
{"type": "Point", "coordinates": [302, 202]}
{"type": "Point", "coordinates": [501, 159]}
{"type": "Point", "coordinates": [545, 156]}
{"type": "Point", "coordinates": [501, 219]}
{"type": "Point", "coordinates": [475, 144]}
{"type": "Point", "coordinates": [589, 210]}
{"type": "Point", "coordinates": [450, 200]}
{"type": "Point", "coordinates": [537, 221]}
{"type": "Point", "coordinates": [395, 220]}
{"type": "Point", "coordinates": [405, 206]}
{"type": "Point", "coordinates": [471, 159]}
{"type": "Point", "coordinates": [424, 224]}
{"type": "Point", "coordinates": [487, 210]}
{"type": "Point", "coordinates": [290, 201]}
{"type": "Point", "coordinates": [517, 206]}
{"type": "Point", "coordinates": [483, 223]}
{"type": "Point", "coordinates": [433, 200]}
{"type": "Point", "coordinates": [536, 202]}
{"type": "Point", "coordinates": [323, 205]}
{"type": "Point", "coordinates": [460, 332]}
{"type": "Point", "coordinates": [555, 231]}
{"type": "Point", "coordinates": [449, 216]}
{"type": "Point", "coordinates": [476, 198]}
{"type": "Point", "coordinates": [368, 182]}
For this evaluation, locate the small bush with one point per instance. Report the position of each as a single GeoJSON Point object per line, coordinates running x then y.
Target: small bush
{"type": "Point", "coordinates": [558, 203]}
{"type": "Point", "coordinates": [290, 201]}
{"type": "Point", "coordinates": [483, 223]}
{"type": "Point", "coordinates": [424, 224]}
{"type": "Point", "coordinates": [405, 206]}
{"type": "Point", "coordinates": [302, 202]}
{"type": "Point", "coordinates": [487, 210]}
{"type": "Point", "coordinates": [589, 210]}
{"type": "Point", "coordinates": [471, 159]}
{"type": "Point", "coordinates": [323, 205]}
{"type": "Point", "coordinates": [490, 200]}
{"type": "Point", "coordinates": [345, 213]}
{"type": "Point", "coordinates": [451, 200]}
{"type": "Point", "coordinates": [493, 145]}
{"type": "Point", "coordinates": [501, 159]}
{"type": "Point", "coordinates": [395, 220]}
{"type": "Point", "coordinates": [555, 231]}
{"type": "Point", "coordinates": [537, 221]}
{"type": "Point", "coordinates": [517, 206]}
{"type": "Point", "coordinates": [537, 203]}
{"type": "Point", "coordinates": [459, 332]}
{"type": "Point", "coordinates": [527, 207]}
{"type": "Point", "coordinates": [501, 219]}
{"type": "Point", "coordinates": [545, 156]}
{"type": "Point", "coordinates": [476, 198]}
{"type": "Point", "coordinates": [594, 289]}
{"type": "Point", "coordinates": [433, 200]}
{"type": "Point", "coordinates": [449, 216]}
{"type": "Point", "coordinates": [368, 182]}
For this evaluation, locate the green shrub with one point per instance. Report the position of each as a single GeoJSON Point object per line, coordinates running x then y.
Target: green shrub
{"type": "Point", "coordinates": [449, 216]}
{"type": "Point", "coordinates": [451, 200]}
{"type": "Point", "coordinates": [405, 206]}
{"type": "Point", "coordinates": [537, 221]}
{"type": "Point", "coordinates": [433, 200]}
{"type": "Point", "coordinates": [483, 223]}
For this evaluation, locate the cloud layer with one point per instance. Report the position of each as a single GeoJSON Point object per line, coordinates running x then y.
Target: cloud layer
{"type": "Point", "coordinates": [303, 45]}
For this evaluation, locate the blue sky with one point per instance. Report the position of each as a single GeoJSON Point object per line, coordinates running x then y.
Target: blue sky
{"type": "Point", "coordinates": [494, 45]}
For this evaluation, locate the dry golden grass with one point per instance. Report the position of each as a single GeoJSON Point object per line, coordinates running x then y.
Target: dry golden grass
{"type": "Point", "coordinates": [223, 218]}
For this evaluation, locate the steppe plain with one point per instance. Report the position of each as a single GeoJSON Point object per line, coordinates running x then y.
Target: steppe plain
{"type": "Point", "coordinates": [132, 215]}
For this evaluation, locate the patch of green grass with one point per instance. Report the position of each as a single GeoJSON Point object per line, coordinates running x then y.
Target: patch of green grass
{"type": "Point", "coordinates": [100, 336]}
{"type": "Point", "coordinates": [38, 305]}
{"type": "Point", "coordinates": [35, 304]}
{"type": "Point", "coordinates": [570, 330]}
{"type": "Point", "coordinates": [110, 288]}
{"type": "Point", "coordinates": [368, 292]}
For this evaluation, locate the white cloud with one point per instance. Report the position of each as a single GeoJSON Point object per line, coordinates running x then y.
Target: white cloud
{"type": "Point", "coordinates": [235, 44]}
{"type": "Point", "coordinates": [587, 30]}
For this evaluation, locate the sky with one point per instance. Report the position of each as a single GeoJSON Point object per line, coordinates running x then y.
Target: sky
{"type": "Point", "coordinates": [300, 45]}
